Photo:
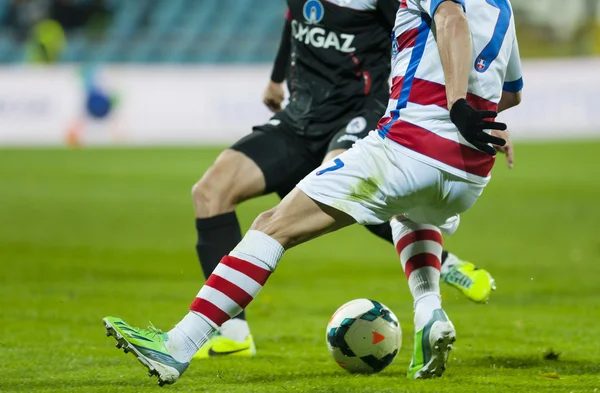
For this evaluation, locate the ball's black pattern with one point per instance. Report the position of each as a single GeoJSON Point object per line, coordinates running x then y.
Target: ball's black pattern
{"type": "Point", "coordinates": [336, 337]}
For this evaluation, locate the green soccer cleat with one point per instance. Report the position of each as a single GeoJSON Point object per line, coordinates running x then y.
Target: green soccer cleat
{"type": "Point", "coordinates": [222, 346]}
{"type": "Point", "coordinates": [475, 283]}
{"type": "Point", "coordinates": [432, 346]}
{"type": "Point", "coordinates": [149, 348]}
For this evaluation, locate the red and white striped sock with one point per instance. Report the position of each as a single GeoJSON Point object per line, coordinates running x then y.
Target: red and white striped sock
{"type": "Point", "coordinates": [235, 282]}
{"type": "Point", "coordinates": [420, 249]}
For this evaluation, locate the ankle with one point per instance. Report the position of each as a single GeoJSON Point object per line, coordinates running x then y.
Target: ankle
{"type": "Point", "coordinates": [424, 307]}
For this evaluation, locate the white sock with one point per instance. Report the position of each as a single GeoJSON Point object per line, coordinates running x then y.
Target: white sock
{"type": "Point", "coordinates": [188, 336]}
{"type": "Point", "coordinates": [420, 249]}
{"type": "Point", "coordinates": [259, 248]}
{"type": "Point", "coordinates": [235, 329]}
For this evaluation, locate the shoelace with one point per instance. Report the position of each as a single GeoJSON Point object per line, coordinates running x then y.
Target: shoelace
{"type": "Point", "coordinates": [153, 331]}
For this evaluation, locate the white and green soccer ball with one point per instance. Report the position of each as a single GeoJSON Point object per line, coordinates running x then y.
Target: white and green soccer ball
{"type": "Point", "coordinates": [364, 336]}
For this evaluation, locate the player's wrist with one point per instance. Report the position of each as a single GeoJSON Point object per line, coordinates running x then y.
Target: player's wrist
{"type": "Point", "coordinates": [460, 110]}
{"type": "Point", "coordinates": [452, 102]}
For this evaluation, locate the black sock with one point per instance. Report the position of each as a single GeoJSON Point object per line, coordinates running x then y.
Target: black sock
{"type": "Point", "coordinates": [384, 231]}
{"type": "Point", "coordinates": [217, 236]}
{"type": "Point", "coordinates": [444, 256]}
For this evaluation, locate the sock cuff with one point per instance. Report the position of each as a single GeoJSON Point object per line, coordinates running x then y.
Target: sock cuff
{"type": "Point", "coordinates": [203, 317]}
{"type": "Point", "coordinates": [216, 221]}
{"type": "Point", "coordinates": [403, 227]}
{"type": "Point", "coordinates": [257, 246]}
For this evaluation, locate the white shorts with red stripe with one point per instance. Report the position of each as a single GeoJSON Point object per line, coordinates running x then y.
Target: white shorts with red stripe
{"type": "Point", "coordinates": [378, 179]}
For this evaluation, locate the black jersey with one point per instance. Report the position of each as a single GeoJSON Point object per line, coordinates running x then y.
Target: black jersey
{"type": "Point", "coordinates": [339, 61]}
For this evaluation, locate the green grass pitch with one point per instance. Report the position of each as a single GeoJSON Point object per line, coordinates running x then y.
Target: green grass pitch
{"type": "Point", "coordinates": [89, 233]}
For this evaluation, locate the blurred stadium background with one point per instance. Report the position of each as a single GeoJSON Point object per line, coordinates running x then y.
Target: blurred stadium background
{"type": "Point", "coordinates": [145, 67]}
{"type": "Point", "coordinates": [88, 232]}
{"type": "Point", "coordinates": [198, 31]}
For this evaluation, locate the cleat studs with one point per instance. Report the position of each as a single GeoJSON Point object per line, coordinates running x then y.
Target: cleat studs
{"type": "Point", "coordinates": [118, 345]}
{"type": "Point", "coordinates": [125, 350]}
{"type": "Point", "coordinates": [107, 333]}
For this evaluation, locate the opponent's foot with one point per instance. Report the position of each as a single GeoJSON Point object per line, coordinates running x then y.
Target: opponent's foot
{"type": "Point", "coordinates": [475, 283]}
{"type": "Point", "coordinates": [222, 346]}
{"type": "Point", "coordinates": [432, 346]}
{"type": "Point", "coordinates": [148, 346]}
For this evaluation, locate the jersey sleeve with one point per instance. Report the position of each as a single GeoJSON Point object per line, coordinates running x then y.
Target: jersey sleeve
{"type": "Point", "coordinates": [431, 6]}
{"type": "Point", "coordinates": [283, 54]}
{"type": "Point", "coordinates": [513, 80]}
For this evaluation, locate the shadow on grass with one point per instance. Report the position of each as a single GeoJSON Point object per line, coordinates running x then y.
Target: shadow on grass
{"type": "Point", "coordinates": [560, 365]}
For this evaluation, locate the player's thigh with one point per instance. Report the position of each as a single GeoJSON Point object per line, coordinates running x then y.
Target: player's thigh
{"type": "Point", "coordinates": [374, 181]}
{"type": "Point", "coordinates": [353, 182]}
{"type": "Point", "coordinates": [298, 218]}
{"type": "Point", "coordinates": [257, 164]}
{"type": "Point", "coordinates": [454, 196]}
{"type": "Point", "coordinates": [231, 179]}
{"type": "Point", "coordinates": [279, 154]}
{"type": "Point", "coordinates": [460, 196]}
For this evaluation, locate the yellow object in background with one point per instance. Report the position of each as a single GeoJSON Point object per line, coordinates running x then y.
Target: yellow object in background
{"type": "Point", "coordinates": [46, 43]}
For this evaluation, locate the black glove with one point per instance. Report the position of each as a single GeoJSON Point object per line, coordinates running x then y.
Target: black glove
{"type": "Point", "coordinates": [470, 122]}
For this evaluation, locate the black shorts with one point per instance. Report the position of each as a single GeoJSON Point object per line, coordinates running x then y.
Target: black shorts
{"type": "Point", "coordinates": [286, 154]}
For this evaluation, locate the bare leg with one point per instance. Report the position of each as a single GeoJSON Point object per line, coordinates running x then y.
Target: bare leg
{"type": "Point", "coordinates": [298, 219]}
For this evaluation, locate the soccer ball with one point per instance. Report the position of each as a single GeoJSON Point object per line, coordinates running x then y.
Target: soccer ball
{"type": "Point", "coordinates": [363, 336]}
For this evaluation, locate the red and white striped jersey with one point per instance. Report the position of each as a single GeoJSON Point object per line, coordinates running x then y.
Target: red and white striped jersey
{"type": "Point", "coordinates": [417, 116]}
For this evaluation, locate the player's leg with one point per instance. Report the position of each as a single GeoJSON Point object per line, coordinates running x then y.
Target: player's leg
{"type": "Point", "coordinates": [233, 178]}
{"type": "Point", "coordinates": [241, 275]}
{"type": "Point", "coordinates": [420, 249]}
{"type": "Point", "coordinates": [419, 245]}
{"type": "Point", "coordinates": [259, 163]}
{"type": "Point", "coordinates": [236, 281]}
{"type": "Point", "coordinates": [473, 282]}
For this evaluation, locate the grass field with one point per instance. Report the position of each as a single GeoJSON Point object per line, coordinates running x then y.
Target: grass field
{"type": "Point", "coordinates": [89, 233]}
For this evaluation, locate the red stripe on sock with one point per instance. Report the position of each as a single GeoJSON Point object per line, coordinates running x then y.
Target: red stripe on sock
{"type": "Point", "coordinates": [235, 293]}
{"type": "Point", "coordinates": [421, 260]}
{"type": "Point", "coordinates": [416, 236]}
{"type": "Point", "coordinates": [210, 311]}
{"type": "Point", "coordinates": [256, 273]}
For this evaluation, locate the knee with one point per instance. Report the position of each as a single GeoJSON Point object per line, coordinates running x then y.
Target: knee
{"type": "Point", "coordinates": [271, 223]}
{"type": "Point", "coordinates": [264, 221]}
{"type": "Point", "coordinates": [210, 197]}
